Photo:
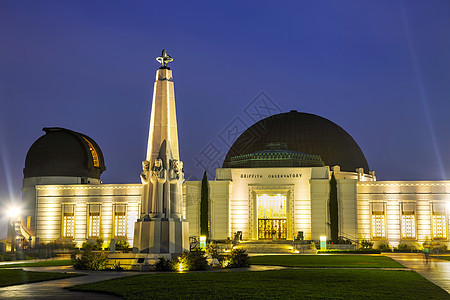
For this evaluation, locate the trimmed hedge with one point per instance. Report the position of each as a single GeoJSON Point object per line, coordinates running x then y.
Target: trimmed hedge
{"type": "Point", "coordinates": [365, 251]}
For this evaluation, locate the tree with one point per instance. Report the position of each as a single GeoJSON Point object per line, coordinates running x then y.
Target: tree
{"type": "Point", "coordinates": [334, 210]}
{"type": "Point", "coordinates": [204, 226]}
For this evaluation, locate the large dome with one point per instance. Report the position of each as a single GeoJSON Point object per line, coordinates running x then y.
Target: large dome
{"type": "Point", "coordinates": [63, 152]}
{"type": "Point", "coordinates": [305, 133]}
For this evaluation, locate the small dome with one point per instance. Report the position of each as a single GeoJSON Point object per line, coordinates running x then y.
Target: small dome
{"type": "Point", "coordinates": [301, 132]}
{"type": "Point", "coordinates": [63, 152]}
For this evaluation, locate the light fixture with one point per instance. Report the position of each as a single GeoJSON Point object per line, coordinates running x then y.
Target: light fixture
{"type": "Point", "coordinates": [323, 242]}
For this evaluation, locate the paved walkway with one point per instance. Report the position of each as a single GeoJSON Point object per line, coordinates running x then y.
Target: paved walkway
{"type": "Point", "coordinates": [436, 271]}
{"type": "Point", "coordinates": [55, 289]}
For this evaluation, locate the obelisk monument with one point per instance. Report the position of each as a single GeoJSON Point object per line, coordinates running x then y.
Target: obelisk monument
{"type": "Point", "coordinates": [161, 228]}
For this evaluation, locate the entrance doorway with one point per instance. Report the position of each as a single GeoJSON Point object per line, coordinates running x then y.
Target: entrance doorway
{"type": "Point", "coordinates": [271, 216]}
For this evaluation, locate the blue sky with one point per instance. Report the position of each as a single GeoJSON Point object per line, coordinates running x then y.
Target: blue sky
{"type": "Point", "coordinates": [379, 69]}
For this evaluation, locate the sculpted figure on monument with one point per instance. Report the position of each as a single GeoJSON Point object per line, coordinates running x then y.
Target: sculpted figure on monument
{"type": "Point", "coordinates": [145, 185]}
{"type": "Point", "coordinates": [175, 180]}
{"type": "Point", "coordinates": [158, 179]}
{"type": "Point", "coordinates": [145, 172]}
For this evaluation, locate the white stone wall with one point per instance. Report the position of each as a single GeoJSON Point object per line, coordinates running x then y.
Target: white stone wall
{"type": "Point", "coordinates": [50, 198]}
{"type": "Point", "coordinates": [192, 197]}
{"type": "Point", "coordinates": [393, 193]}
{"type": "Point", "coordinates": [219, 212]}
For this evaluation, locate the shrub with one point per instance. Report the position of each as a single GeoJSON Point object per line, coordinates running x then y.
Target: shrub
{"type": "Point", "coordinates": [385, 247]}
{"type": "Point", "coordinates": [123, 246]}
{"type": "Point", "coordinates": [164, 264]}
{"type": "Point", "coordinates": [92, 246]}
{"type": "Point", "coordinates": [366, 244]}
{"type": "Point", "coordinates": [192, 261]}
{"type": "Point", "coordinates": [211, 249]}
{"type": "Point", "coordinates": [406, 247]}
{"type": "Point", "coordinates": [359, 251]}
{"type": "Point", "coordinates": [238, 259]}
{"type": "Point", "coordinates": [89, 260]}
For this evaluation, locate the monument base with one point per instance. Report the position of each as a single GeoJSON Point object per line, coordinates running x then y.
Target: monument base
{"type": "Point", "coordinates": [161, 236]}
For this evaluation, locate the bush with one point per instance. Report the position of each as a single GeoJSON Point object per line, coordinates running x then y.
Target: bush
{"type": "Point", "coordinates": [238, 259]}
{"type": "Point", "coordinates": [192, 261]}
{"type": "Point", "coordinates": [366, 244]}
{"type": "Point", "coordinates": [360, 251]}
{"type": "Point", "coordinates": [405, 247]}
{"type": "Point", "coordinates": [384, 247]}
{"type": "Point", "coordinates": [123, 246]}
{"type": "Point", "coordinates": [211, 249]}
{"type": "Point", "coordinates": [89, 260]}
{"type": "Point", "coordinates": [164, 264]}
{"type": "Point", "coordinates": [91, 246]}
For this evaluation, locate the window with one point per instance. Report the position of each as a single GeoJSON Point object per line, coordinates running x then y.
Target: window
{"type": "Point", "coordinates": [439, 228]}
{"type": "Point", "coordinates": [408, 220]}
{"type": "Point", "coordinates": [93, 153]}
{"type": "Point", "coordinates": [68, 220]}
{"type": "Point", "coordinates": [94, 220]}
{"type": "Point", "coordinates": [120, 221]}
{"type": "Point", "coordinates": [378, 220]}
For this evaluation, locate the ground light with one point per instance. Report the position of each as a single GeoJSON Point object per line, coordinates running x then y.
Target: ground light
{"type": "Point", "coordinates": [323, 242]}
{"type": "Point", "coordinates": [203, 242]}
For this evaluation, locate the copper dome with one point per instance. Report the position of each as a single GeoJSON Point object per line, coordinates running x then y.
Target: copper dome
{"type": "Point", "coordinates": [302, 132]}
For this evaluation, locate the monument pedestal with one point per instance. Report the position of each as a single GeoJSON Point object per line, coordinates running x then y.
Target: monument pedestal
{"type": "Point", "coordinates": [161, 236]}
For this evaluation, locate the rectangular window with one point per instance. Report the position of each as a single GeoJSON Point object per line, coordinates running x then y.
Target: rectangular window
{"type": "Point", "coordinates": [378, 220]}
{"type": "Point", "coordinates": [94, 220]}
{"type": "Point", "coordinates": [68, 220]}
{"type": "Point", "coordinates": [408, 220]}
{"type": "Point", "coordinates": [439, 228]}
{"type": "Point", "coordinates": [120, 220]}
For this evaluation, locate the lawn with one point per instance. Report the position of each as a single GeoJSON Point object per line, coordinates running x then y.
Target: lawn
{"type": "Point", "coordinates": [17, 276]}
{"type": "Point", "coordinates": [444, 257]}
{"type": "Point", "coordinates": [324, 261]}
{"type": "Point", "coordinates": [280, 284]}
{"type": "Point", "coordinates": [49, 263]}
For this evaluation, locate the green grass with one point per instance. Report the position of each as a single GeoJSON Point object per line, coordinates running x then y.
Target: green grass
{"type": "Point", "coordinates": [444, 257]}
{"type": "Point", "coordinates": [326, 261]}
{"type": "Point", "coordinates": [280, 284]}
{"type": "Point", "coordinates": [17, 276]}
{"type": "Point", "coordinates": [49, 263]}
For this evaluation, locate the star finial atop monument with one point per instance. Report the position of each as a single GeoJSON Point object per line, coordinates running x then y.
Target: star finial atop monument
{"type": "Point", "coordinates": [164, 59]}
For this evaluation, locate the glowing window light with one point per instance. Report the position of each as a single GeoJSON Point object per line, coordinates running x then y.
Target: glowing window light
{"type": "Point", "coordinates": [93, 153]}
{"type": "Point", "coordinates": [120, 222]}
{"type": "Point", "coordinates": [94, 225]}
{"type": "Point", "coordinates": [271, 206]}
{"type": "Point", "coordinates": [408, 227]}
{"type": "Point", "coordinates": [439, 228]}
{"type": "Point", "coordinates": [68, 225]}
{"type": "Point", "coordinates": [378, 226]}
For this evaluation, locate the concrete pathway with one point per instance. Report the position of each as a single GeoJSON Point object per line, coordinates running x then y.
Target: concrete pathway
{"type": "Point", "coordinates": [436, 270]}
{"type": "Point", "coordinates": [55, 289]}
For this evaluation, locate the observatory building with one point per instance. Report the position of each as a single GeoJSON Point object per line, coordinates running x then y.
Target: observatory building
{"type": "Point", "coordinates": [276, 182]}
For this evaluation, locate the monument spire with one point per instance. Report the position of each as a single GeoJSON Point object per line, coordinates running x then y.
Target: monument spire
{"type": "Point", "coordinates": [163, 119]}
{"type": "Point", "coordinates": [161, 228]}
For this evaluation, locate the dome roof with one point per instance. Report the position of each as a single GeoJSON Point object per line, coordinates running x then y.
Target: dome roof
{"type": "Point", "coordinates": [301, 132]}
{"type": "Point", "coordinates": [63, 152]}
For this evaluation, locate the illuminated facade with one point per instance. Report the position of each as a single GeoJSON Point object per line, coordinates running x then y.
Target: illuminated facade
{"type": "Point", "coordinates": [274, 184]}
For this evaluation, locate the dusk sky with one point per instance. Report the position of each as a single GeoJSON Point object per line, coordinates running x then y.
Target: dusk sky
{"type": "Point", "coordinates": [379, 69]}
